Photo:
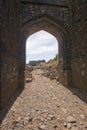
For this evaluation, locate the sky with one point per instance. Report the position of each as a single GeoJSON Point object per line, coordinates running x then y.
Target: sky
{"type": "Point", "coordinates": [41, 46]}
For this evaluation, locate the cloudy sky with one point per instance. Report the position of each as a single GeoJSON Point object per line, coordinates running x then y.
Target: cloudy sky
{"type": "Point", "coordinates": [41, 45]}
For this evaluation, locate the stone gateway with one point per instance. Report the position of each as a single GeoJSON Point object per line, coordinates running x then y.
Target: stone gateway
{"type": "Point", "coordinates": [65, 19]}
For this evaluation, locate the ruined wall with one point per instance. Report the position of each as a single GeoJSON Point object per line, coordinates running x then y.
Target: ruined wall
{"type": "Point", "coordinates": [59, 12]}
{"type": "Point", "coordinates": [9, 50]}
{"type": "Point", "coordinates": [79, 45]}
{"type": "Point", "coordinates": [66, 19]}
{"type": "Point", "coordinates": [16, 14]}
{"type": "Point", "coordinates": [0, 48]}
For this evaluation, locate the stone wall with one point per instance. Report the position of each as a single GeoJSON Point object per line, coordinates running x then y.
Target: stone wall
{"type": "Point", "coordinates": [14, 16]}
{"type": "Point", "coordinates": [53, 18]}
{"type": "Point", "coordinates": [66, 20]}
{"type": "Point", "coordinates": [9, 51]}
{"type": "Point", "coordinates": [79, 45]}
{"type": "Point", "coordinates": [0, 47]}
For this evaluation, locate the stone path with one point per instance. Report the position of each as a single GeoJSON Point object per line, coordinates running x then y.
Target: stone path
{"type": "Point", "coordinates": [46, 105]}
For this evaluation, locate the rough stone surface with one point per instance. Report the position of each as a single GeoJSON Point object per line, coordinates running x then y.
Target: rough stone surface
{"type": "Point", "coordinates": [28, 74]}
{"type": "Point", "coordinates": [79, 46]}
{"type": "Point", "coordinates": [42, 127]}
{"type": "Point", "coordinates": [50, 70]}
{"type": "Point", "coordinates": [65, 19]}
{"type": "Point", "coordinates": [36, 109]}
{"type": "Point", "coordinates": [71, 119]}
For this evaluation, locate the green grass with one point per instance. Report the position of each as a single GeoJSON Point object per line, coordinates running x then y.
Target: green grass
{"type": "Point", "coordinates": [54, 60]}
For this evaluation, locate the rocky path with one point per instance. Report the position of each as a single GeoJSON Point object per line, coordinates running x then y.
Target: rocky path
{"type": "Point", "coordinates": [46, 105]}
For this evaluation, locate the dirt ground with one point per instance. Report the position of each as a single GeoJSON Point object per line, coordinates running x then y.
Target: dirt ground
{"type": "Point", "coordinates": [46, 105]}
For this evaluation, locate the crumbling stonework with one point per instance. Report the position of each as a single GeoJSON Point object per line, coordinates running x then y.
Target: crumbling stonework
{"type": "Point", "coordinates": [34, 63]}
{"type": "Point", "coordinates": [65, 19]}
{"type": "Point", "coordinates": [79, 46]}
{"type": "Point", "coordinates": [9, 51]}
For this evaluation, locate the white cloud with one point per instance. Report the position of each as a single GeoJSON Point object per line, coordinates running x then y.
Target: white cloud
{"type": "Point", "coordinates": [41, 43]}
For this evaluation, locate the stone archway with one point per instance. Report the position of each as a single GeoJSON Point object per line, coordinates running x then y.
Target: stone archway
{"type": "Point", "coordinates": [60, 33]}
{"type": "Point", "coordinates": [65, 19]}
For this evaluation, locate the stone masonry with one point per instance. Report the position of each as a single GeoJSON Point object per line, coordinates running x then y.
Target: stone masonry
{"type": "Point", "coordinates": [65, 19]}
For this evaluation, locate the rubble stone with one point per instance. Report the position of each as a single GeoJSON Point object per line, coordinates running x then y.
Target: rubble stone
{"type": "Point", "coordinates": [71, 119]}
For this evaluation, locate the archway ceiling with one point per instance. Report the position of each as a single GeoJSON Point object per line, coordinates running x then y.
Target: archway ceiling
{"type": "Point", "coordinates": [49, 2]}
{"type": "Point", "coordinates": [32, 10]}
{"type": "Point", "coordinates": [42, 24]}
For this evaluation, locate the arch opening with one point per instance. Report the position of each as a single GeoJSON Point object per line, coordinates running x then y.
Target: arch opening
{"type": "Point", "coordinates": [41, 46]}
{"type": "Point", "coordinates": [61, 34]}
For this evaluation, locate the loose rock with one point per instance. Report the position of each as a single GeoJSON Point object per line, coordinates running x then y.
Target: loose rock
{"type": "Point", "coordinates": [28, 80]}
{"type": "Point", "coordinates": [71, 119]}
{"type": "Point", "coordinates": [69, 125]}
{"type": "Point", "coordinates": [42, 127]}
{"type": "Point", "coordinates": [82, 116]}
{"type": "Point", "coordinates": [74, 128]}
{"type": "Point", "coordinates": [64, 110]}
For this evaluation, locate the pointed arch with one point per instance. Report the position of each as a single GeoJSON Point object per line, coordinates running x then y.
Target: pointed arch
{"type": "Point", "coordinates": [41, 45]}
{"type": "Point", "coordinates": [46, 23]}
{"type": "Point", "coordinates": [55, 28]}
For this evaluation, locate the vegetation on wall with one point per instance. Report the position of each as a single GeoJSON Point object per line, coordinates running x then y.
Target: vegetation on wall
{"type": "Point", "coordinates": [54, 60]}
